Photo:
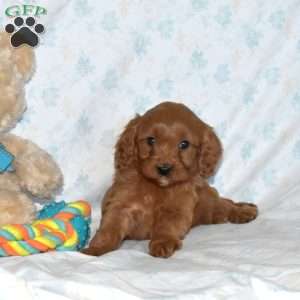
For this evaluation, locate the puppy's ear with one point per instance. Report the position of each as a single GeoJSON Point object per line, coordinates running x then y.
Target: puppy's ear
{"type": "Point", "coordinates": [126, 150]}
{"type": "Point", "coordinates": [210, 153]}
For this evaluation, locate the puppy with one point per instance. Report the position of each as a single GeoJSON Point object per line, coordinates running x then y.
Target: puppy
{"type": "Point", "coordinates": [160, 189]}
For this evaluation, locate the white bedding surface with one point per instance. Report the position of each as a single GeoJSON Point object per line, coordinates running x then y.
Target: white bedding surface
{"type": "Point", "coordinates": [257, 261]}
{"type": "Point", "coordinates": [236, 64]}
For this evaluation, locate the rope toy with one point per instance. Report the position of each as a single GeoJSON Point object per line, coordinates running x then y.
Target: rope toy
{"type": "Point", "coordinates": [59, 226]}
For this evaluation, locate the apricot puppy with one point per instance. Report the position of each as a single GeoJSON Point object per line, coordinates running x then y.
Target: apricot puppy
{"type": "Point", "coordinates": [160, 189]}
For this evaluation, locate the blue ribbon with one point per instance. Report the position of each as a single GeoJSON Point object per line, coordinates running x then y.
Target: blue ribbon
{"type": "Point", "coordinates": [6, 159]}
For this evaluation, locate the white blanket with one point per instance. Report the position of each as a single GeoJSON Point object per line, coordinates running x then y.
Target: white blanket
{"type": "Point", "coordinates": [236, 64]}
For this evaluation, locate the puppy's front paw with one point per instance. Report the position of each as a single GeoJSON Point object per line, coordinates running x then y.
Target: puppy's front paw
{"type": "Point", "coordinates": [164, 247]}
{"type": "Point", "coordinates": [92, 251]}
{"type": "Point", "coordinates": [102, 243]}
{"type": "Point", "coordinates": [99, 249]}
{"type": "Point", "coordinates": [243, 213]}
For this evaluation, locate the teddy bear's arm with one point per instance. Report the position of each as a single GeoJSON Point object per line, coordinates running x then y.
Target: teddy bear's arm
{"type": "Point", "coordinates": [15, 207]}
{"type": "Point", "coordinates": [9, 181]}
{"type": "Point", "coordinates": [37, 171]}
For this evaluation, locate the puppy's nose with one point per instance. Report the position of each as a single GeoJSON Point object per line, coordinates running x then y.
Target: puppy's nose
{"type": "Point", "coordinates": [164, 169]}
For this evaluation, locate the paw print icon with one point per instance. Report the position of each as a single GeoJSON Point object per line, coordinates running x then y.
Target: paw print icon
{"type": "Point", "coordinates": [24, 32]}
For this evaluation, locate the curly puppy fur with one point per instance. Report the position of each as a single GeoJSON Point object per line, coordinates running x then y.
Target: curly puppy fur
{"type": "Point", "coordinates": [162, 162]}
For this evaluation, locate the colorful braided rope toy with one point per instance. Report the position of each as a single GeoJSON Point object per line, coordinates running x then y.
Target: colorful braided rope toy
{"type": "Point", "coordinates": [59, 226]}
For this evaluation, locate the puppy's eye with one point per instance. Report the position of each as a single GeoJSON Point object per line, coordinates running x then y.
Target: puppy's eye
{"type": "Point", "coordinates": [184, 145]}
{"type": "Point", "coordinates": [150, 140]}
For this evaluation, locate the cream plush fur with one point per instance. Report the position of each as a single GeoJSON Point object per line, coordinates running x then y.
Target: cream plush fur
{"type": "Point", "coordinates": [35, 173]}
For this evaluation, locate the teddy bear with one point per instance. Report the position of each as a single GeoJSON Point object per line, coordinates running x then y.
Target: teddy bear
{"type": "Point", "coordinates": [33, 174]}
